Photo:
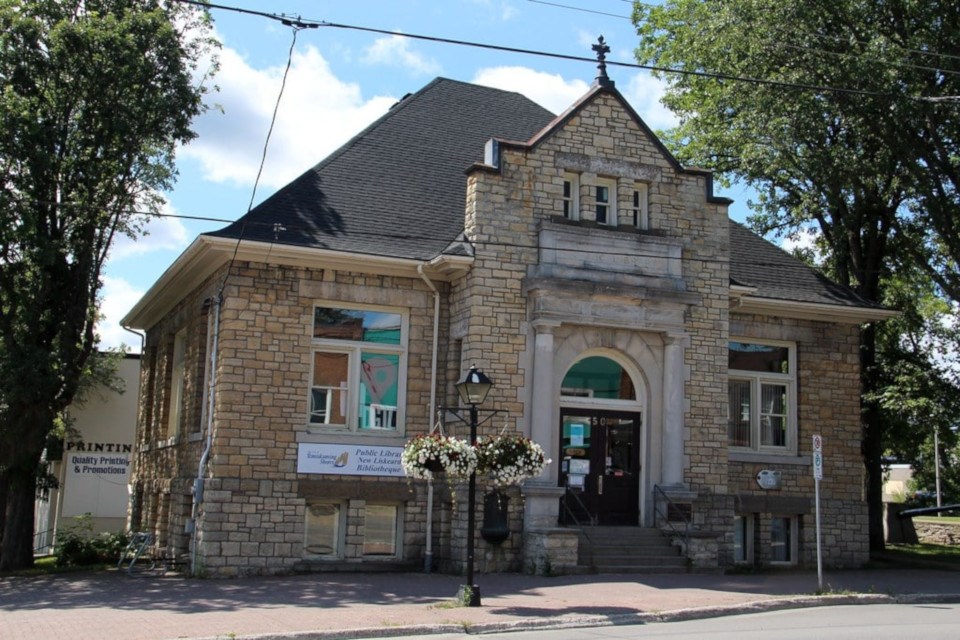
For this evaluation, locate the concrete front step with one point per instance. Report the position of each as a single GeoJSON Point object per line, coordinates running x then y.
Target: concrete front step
{"type": "Point", "coordinates": [628, 550]}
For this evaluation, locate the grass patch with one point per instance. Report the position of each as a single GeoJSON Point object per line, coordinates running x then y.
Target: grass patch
{"type": "Point", "coordinates": [924, 554]}
{"type": "Point", "coordinates": [47, 565]}
{"type": "Point", "coordinates": [936, 520]}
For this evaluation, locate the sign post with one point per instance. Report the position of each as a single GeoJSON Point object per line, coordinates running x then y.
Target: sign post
{"type": "Point", "coordinates": [817, 477]}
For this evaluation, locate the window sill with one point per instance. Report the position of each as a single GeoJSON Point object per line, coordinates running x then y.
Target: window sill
{"type": "Point", "coordinates": [196, 436]}
{"type": "Point", "coordinates": [787, 457]}
{"type": "Point", "coordinates": [379, 437]}
{"type": "Point", "coordinates": [169, 442]}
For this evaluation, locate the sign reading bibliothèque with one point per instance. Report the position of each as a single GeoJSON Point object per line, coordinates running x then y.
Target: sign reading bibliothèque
{"type": "Point", "coordinates": [349, 459]}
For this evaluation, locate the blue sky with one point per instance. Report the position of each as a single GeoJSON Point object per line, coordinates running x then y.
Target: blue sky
{"type": "Point", "coordinates": [340, 81]}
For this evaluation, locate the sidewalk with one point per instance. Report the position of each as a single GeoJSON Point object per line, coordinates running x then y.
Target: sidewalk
{"type": "Point", "coordinates": [113, 606]}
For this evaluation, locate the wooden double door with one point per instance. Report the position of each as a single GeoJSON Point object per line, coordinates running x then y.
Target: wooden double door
{"type": "Point", "coordinates": [600, 466]}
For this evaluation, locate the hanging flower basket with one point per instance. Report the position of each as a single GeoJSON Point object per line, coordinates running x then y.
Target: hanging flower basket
{"type": "Point", "coordinates": [425, 456]}
{"type": "Point", "coordinates": [509, 459]}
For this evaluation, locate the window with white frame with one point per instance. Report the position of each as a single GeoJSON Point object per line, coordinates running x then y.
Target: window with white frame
{"type": "Point", "coordinates": [783, 540]}
{"type": "Point", "coordinates": [743, 539]}
{"type": "Point", "coordinates": [381, 529]}
{"type": "Point", "coordinates": [762, 388]}
{"type": "Point", "coordinates": [359, 356]}
{"type": "Point", "coordinates": [324, 525]}
{"type": "Point", "coordinates": [571, 196]}
{"type": "Point", "coordinates": [641, 219]}
{"type": "Point", "coordinates": [177, 378]}
{"type": "Point", "coordinates": [606, 201]}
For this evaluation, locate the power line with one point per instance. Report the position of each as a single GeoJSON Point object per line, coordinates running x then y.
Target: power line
{"type": "Point", "coordinates": [787, 45]}
{"type": "Point", "coordinates": [296, 28]}
{"type": "Point", "coordinates": [292, 227]}
{"type": "Point", "coordinates": [560, 56]}
{"type": "Point", "coordinates": [581, 9]}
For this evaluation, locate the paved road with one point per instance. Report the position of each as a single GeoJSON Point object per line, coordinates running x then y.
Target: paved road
{"type": "Point", "coordinates": [113, 606]}
{"type": "Point", "coordinates": [874, 622]}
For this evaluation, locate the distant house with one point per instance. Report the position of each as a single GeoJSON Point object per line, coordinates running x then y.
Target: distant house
{"type": "Point", "coordinates": [656, 350]}
{"type": "Point", "coordinates": [93, 468]}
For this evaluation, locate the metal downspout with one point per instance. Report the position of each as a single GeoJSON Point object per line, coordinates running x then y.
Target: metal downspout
{"type": "Point", "coordinates": [428, 555]}
{"type": "Point", "coordinates": [213, 341]}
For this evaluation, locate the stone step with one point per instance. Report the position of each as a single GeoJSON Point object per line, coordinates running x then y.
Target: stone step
{"type": "Point", "coordinates": [628, 550]}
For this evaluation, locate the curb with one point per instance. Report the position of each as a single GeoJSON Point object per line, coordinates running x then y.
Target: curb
{"type": "Point", "coordinates": [676, 615]}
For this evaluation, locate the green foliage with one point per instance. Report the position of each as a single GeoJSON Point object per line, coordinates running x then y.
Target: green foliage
{"type": "Point", "coordinates": [97, 94]}
{"type": "Point", "coordinates": [77, 545]}
{"type": "Point", "coordinates": [849, 133]}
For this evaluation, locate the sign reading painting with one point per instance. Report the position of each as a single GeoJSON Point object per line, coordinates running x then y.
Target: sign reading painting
{"type": "Point", "coordinates": [349, 459]}
{"type": "Point", "coordinates": [96, 483]}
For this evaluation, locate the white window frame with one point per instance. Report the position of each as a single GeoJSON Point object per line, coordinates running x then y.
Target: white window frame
{"type": "Point", "coordinates": [639, 206]}
{"type": "Point", "coordinates": [793, 529]}
{"type": "Point", "coordinates": [178, 374]}
{"type": "Point", "coordinates": [338, 535]}
{"type": "Point", "coordinates": [757, 379]}
{"type": "Point", "coordinates": [611, 204]}
{"type": "Point", "coordinates": [571, 200]}
{"type": "Point", "coordinates": [743, 522]}
{"type": "Point", "coordinates": [397, 531]}
{"type": "Point", "coordinates": [354, 349]}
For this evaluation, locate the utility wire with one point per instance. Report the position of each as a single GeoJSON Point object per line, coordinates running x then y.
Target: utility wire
{"type": "Point", "coordinates": [581, 9]}
{"type": "Point", "coordinates": [277, 231]}
{"type": "Point", "coordinates": [296, 26]}
{"type": "Point", "coordinates": [560, 56]}
{"type": "Point", "coordinates": [787, 45]}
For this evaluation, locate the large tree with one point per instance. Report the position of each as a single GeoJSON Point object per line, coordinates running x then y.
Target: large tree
{"type": "Point", "coordinates": [96, 96]}
{"type": "Point", "coordinates": [840, 116]}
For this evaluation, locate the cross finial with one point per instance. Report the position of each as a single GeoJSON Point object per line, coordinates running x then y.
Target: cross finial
{"type": "Point", "coordinates": [602, 49]}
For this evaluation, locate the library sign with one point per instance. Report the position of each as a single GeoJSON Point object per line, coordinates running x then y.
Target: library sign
{"type": "Point", "coordinates": [349, 459]}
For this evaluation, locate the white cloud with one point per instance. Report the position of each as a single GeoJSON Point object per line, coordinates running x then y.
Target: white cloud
{"type": "Point", "coordinates": [317, 114]}
{"type": "Point", "coordinates": [505, 10]}
{"type": "Point", "coordinates": [644, 92]}
{"type": "Point", "coordinates": [804, 240]}
{"type": "Point", "coordinates": [548, 90]}
{"type": "Point", "coordinates": [160, 234]}
{"type": "Point", "coordinates": [395, 51]}
{"type": "Point", "coordinates": [117, 297]}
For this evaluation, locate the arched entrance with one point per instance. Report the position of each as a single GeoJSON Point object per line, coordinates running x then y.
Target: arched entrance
{"type": "Point", "coordinates": [600, 444]}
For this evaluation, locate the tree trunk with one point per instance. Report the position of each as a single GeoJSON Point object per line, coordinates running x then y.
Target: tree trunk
{"type": "Point", "coordinates": [17, 549]}
{"type": "Point", "coordinates": [3, 506]}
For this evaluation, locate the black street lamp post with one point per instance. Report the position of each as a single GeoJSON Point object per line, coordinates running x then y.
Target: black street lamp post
{"type": "Point", "coordinates": [473, 390]}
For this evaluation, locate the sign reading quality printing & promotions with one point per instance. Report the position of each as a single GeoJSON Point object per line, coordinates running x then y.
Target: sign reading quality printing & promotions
{"type": "Point", "coordinates": [349, 459]}
{"type": "Point", "coordinates": [96, 483]}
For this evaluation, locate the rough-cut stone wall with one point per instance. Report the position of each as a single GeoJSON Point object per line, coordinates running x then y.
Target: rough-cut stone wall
{"type": "Point", "coordinates": [505, 208]}
{"type": "Point", "coordinates": [253, 514]}
{"type": "Point", "coordinates": [828, 387]}
{"type": "Point", "coordinates": [937, 532]}
{"type": "Point", "coordinates": [165, 463]}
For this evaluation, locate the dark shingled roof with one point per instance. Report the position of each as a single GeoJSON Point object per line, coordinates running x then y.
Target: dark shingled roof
{"type": "Point", "coordinates": [775, 274]}
{"type": "Point", "coordinates": [398, 188]}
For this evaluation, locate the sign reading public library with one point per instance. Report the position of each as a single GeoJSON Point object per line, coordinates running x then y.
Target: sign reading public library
{"type": "Point", "coordinates": [349, 459]}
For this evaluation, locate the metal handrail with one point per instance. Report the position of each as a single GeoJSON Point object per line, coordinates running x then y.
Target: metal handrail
{"type": "Point", "coordinates": [924, 511]}
{"type": "Point", "coordinates": [569, 493]}
{"type": "Point", "coordinates": [672, 508]}
{"type": "Point", "coordinates": [39, 535]}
